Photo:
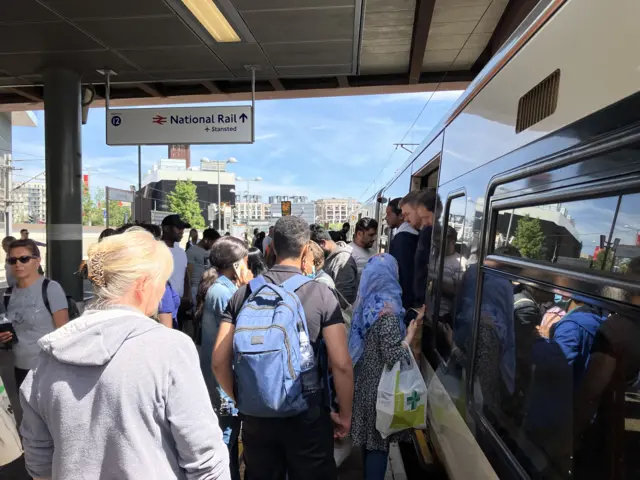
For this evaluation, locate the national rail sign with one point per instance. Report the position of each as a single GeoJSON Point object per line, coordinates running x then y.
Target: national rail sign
{"type": "Point", "coordinates": [118, 195]}
{"type": "Point", "coordinates": [188, 125]}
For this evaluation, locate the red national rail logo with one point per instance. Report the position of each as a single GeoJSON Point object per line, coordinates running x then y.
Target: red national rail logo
{"type": "Point", "coordinates": [159, 119]}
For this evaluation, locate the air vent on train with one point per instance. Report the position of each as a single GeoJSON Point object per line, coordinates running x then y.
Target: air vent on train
{"type": "Point", "coordinates": [538, 103]}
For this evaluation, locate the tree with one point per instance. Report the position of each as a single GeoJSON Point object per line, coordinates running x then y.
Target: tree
{"type": "Point", "coordinates": [92, 208]}
{"type": "Point", "coordinates": [183, 200]}
{"type": "Point", "coordinates": [599, 260]}
{"type": "Point", "coordinates": [529, 238]}
{"type": "Point", "coordinates": [118, 214]}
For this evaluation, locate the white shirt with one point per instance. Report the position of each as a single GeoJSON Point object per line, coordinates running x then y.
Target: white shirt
{"type": "Point", "coordinates": [179, 269]}
{"type": "Point", "coordinates": [454, 266]}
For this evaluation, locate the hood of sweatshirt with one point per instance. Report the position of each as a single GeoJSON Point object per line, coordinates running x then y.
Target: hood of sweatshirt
{"type": "Point", "coordinates": [406, 227]}
{"type": "Point", "coordinates": [339, 250]}
{"type": "Point", "coordinates": [95, 337]}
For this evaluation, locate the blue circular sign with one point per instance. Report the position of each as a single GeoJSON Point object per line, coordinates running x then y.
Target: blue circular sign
{"type": "Point", "coordinates": [116, 120]}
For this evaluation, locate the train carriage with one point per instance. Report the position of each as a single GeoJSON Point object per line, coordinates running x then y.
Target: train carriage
{"type": "Point", "coordinates": [538, 170]}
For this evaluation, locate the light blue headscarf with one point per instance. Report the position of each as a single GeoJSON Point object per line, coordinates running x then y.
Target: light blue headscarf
{"type": "Point", "coordinates": [379, 294]}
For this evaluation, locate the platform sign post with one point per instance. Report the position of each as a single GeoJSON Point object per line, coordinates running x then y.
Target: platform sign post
{"type": "Point", "coordinates": [186, 125]}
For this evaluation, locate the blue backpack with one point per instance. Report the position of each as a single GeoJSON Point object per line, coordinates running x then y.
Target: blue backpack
{"type": "Point", "coordinates": [271, 351]}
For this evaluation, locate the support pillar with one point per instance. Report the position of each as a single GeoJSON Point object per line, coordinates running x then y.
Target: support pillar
{"type": "Point", "coordinates": [63, 154]}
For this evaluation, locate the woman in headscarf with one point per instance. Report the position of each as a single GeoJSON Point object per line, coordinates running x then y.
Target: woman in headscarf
{"type": "Point", "coordinates": [378, 338]}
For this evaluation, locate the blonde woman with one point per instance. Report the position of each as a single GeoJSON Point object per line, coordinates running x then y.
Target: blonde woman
{"type": "Point", "coordinates": [115, 394]}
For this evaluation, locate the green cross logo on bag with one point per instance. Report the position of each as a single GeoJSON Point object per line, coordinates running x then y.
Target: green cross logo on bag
{"type": "Point", "coordinates": [413, 400]}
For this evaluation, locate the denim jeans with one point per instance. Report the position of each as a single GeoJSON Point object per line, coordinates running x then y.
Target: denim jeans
{"type": "Point", "coordinates": [375, 464]}
{"type": "Point", "coordinates": [230, 426]}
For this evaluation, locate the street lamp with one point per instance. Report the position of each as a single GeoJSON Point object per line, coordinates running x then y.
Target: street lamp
{"type": "Point", "coordinates": [249, 180]}
{"type": "Point", "coordinates": [228, 160]}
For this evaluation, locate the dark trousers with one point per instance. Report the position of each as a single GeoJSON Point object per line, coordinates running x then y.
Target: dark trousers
{"type": "Point", "coordinates": [300, 447]}
{"type": "Point", "coordinates": [375, 464]}
{"type": "Point", "coordinates": [20, 374]}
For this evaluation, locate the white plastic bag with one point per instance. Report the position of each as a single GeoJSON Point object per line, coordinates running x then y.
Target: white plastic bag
{"type": "Point", "coordinates": [10, 446]}
{"type": "Point", "coordinates": [341, 450]}
{"type": "Point", "coordinates": [402, 399]}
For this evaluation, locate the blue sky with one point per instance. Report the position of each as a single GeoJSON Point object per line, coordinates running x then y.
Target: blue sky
{"type": "Point", "coordinates": [322, 147]}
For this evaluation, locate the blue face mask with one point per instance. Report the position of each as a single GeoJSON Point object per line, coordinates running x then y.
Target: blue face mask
{"type": "Point", "coordinates": [312, 274]}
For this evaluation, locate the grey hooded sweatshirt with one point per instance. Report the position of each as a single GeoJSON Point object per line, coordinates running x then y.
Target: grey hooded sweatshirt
{"type": "Point", "coordinates": [116, 396]}
{"type": "Point", "coordinates": [341, 266]}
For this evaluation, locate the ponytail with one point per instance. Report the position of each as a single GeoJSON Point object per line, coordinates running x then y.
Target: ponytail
{"type": "Point", "coordinates": [209, 277]}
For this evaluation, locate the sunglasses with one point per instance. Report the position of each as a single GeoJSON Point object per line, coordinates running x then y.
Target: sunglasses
{"type": "Point", "coordinates": [23, 259]}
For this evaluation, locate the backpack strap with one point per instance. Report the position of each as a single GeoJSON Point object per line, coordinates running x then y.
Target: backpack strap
{"type": "Point", "coordinates": [45, 295]}
{"type": "Point", "coordinates": [256, 284]}
{"type": "Point", "coordinates": [294, 283]}
{"type": "Point", "coordinates": [7, 297]}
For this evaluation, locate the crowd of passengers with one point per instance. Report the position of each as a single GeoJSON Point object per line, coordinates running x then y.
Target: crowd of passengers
{"type": "Point", "coordinates": [120, 391]}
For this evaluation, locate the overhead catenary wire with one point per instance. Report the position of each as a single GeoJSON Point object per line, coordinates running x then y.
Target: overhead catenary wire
{"type": "Point", "coordinates": [426, 104]}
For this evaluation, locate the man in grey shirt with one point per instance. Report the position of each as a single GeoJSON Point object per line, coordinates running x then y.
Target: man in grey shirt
{"type": "Point", "coordinates": [339, 264]}
{"type": "Point", "coordinates": [198, 260]}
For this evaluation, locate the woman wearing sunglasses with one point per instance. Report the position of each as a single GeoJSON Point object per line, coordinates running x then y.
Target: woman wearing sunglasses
{"type": "Point", "coordinates": [27, 309]}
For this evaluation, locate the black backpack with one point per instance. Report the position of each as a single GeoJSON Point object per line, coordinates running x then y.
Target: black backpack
{"type": "Point", "coordinates": [72, 306]}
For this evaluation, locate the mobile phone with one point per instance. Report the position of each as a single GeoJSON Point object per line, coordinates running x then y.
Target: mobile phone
{"type": "Point", "coordinates": [411, 314]}
{"type": "Point", "coordinates": [236, 269]}
{"type": "Point", "coordinates": [8, 327]}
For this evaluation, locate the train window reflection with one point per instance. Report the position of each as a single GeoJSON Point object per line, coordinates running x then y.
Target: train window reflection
{"type": "Point", "coordinates": [454, 264]}
{"type": "Point", "coordinates": [600, 234]}
{"type": "Point", "coordinates": [558, 379]}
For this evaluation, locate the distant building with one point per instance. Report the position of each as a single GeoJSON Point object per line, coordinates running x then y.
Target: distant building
{"type": "Point", "coordinates": [162, 179]}
{"type": "Point", "coordinates": [30, 203]}
{"type": "Point", "coordinates": [248, 198]}
{"type": "Point", "coordinates": [8, 120]}
{"type": "Point", "coordinates": [305, 210]}
{"type": "Point", "coordinates": [182, 152]}
{"type": "Point", "coordinates": [248, 211]}
{"type": "Point", "coordinates": [335, 210]}
{"type": "Point", "coordinates": [288, 198]}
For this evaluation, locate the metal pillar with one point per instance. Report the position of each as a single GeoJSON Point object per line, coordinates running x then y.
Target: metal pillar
{"type": "Point", "coordinates": [139, 202]}
{"type": "Point", "coordinates": [219, 202]}
{"type": "Point", "coordinates": [63, 154]}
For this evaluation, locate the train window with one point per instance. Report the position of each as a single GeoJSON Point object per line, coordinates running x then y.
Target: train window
{"type": "Point", "coordinates": [453, 263]}
{"type": "Point", "coordinates": [557, 378]}
{"type": "Point", "coordinates": [601, 234]}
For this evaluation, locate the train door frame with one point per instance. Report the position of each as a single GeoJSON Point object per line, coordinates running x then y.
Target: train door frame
{"type": "Point", "coordinates": [429, 171]}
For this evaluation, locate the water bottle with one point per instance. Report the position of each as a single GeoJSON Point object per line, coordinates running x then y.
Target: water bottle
{"type": "Point", "coordinates": [306, 352]}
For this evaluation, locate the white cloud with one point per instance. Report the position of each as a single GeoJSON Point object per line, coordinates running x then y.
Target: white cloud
{"type": "Point", "coordinates": [266, 136]}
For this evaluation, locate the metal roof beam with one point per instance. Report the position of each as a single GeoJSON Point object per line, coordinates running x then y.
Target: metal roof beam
{"type": "Point", "coordinates": [211, 86]}
{"type": "Point", "coordinates": [148, 89]}
{"type": "Point", "coordinates": [421, 26]}
{"type": "Point", "coordinates": [22, 93]}
{"type": "Point", "coordinates": [277, 85]}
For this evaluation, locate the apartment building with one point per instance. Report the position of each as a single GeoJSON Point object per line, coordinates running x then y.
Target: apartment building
{"type": "Point", "coordinates": [335, 210]}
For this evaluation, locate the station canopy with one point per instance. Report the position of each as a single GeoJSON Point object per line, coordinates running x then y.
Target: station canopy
{"type": "Point", "coordinates": [171, 51]}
